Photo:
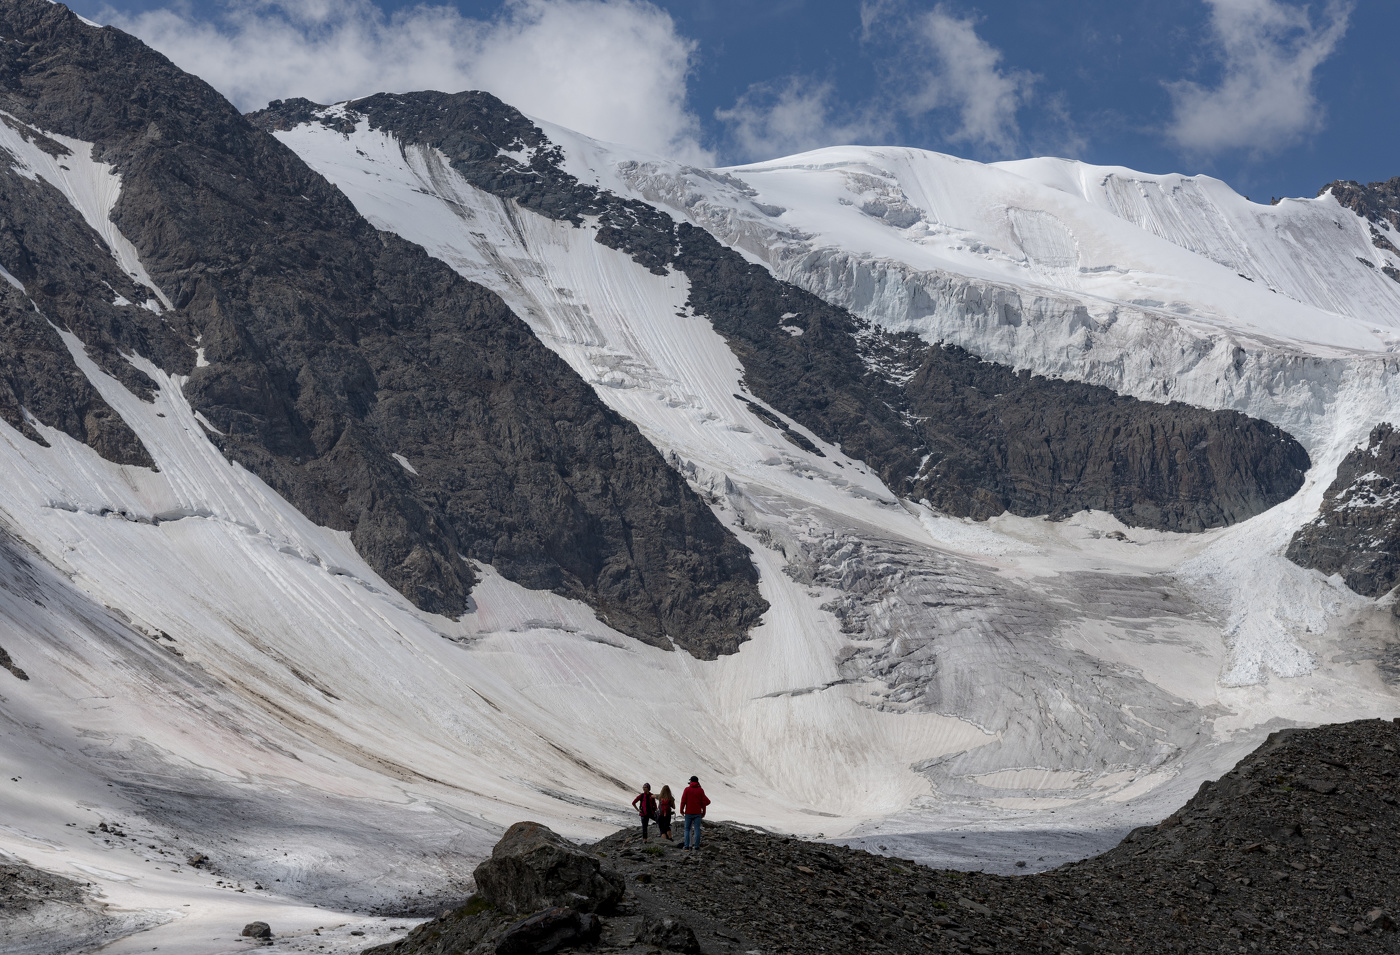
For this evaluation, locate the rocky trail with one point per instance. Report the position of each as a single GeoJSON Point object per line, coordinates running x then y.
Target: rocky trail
{"type": "Point", "coordinates": [1291, 851]}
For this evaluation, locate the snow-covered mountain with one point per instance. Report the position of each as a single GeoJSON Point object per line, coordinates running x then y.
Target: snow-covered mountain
{"type": "Point", "coordinates": [376, 475]}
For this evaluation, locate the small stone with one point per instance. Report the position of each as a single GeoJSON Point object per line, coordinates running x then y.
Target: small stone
{"type": "Point", "coordinates": [1380, 920]}
{"type": "Point", "coordinates": [1020, 865]}
{"type": "Point", "coordinates": [356, 932]}
{"type": "Point", "coordinates": [257, 930]}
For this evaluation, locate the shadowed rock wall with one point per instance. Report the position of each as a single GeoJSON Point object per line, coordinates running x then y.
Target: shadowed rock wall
{"type": "Point", "coordinates": [331, 347]}
{"type": "Point", "coordinates": [1357, 530]}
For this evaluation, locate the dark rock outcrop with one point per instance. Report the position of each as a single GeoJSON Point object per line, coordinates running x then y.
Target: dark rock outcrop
{"type": "Point", "coordinates": [331, 347]}
{"type": "Point", "coordinates": [10, 665]}
{"type": "Point", "coordinates": [1377, 201]}
{"type": "Point", "coordinates": [550, 931]}
{"type": "Point", "coordinates": [533, 868]}
{"type": "Point", "coordinates": [1012, 441]}
{"type": "Point", "coordinates": [974, 438]}
{"type": "Point", "coordinates": [1357, 531]}
{"type": "Point", "coordinates": [70, 281]}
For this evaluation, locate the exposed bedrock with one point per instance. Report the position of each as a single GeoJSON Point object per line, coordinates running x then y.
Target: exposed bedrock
{"type": "Point", "coordinates": [61, 276]}
{"type": "Point", "coordinates": [1377, 201]}
{"type": "Point", "coordinates": [971, 436]}
{"type": "Point", "coordinates": [1357, 530]}
{"type": "Point", "coordinates": [329, 347]}
{"type": "Point", "coordinates": [1005, 441]}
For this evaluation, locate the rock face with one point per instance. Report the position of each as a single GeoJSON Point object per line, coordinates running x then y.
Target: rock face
{"type": "Point", "coordinates": [1380, 203]}
{"type": "Point", "coordinates": [533, 868]}
{"type": "Point", "coordinates": [974, 438]}
{"type": "Point", "coordinates": [549, 931]}
{"type": "Point", "coordinates": [1377, 201]}
{"type": "Point", "coordinates": [1357, 531]}
{"type": "Point", "coordinates": [319, 348]}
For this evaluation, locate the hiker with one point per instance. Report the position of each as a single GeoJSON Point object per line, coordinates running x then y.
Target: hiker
{"type": "Point", "coordinates": [665, 810]}
{"type": "Point", "coordinates": [693, 803]}
{"type": "Point", "coordinates": [645, 804]}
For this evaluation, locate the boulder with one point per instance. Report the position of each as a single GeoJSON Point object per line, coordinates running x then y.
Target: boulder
{"type": "Point", "coordinates": [669, 934]}
{"type": "Point", "coordinates": [550, 931]}
{"type": "Point", "coordinates": [533, 868]}
{"type": "Point", "coordinates": [257, 930]}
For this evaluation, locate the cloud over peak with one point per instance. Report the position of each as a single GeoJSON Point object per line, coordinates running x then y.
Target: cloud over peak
{"type": "Point", "coordinates": [615, 70]}
{"type": "Point", "coordinates": [1265, 99]}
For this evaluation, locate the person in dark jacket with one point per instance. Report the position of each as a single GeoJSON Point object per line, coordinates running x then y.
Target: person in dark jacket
{"type": "Point", "coordinates": [693, 803]}
{"type": "Point", "coordinates": [665, 811]}
{"type": "Point", "coordinates": [645, 804]}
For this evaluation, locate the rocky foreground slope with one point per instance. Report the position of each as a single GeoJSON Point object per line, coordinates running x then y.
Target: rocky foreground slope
{"type": "Point", "coordinates": [1293, 850]}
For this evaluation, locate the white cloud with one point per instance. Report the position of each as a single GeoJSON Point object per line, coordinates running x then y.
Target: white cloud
{"type": "Point", "coordinates": [612, 69]}
{"type": "Point", "coordinates": [777, 120]}
{"type": "Point", "coordinates": [967, 77]}
{"type": "Point", "coordinates": [947, 71]}
{"type": "Point", "coordinates": [1265, 99]}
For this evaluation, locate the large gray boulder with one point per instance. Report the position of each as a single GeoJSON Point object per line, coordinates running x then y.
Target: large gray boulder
{"type": "Point", "coordinates": [533, 868]}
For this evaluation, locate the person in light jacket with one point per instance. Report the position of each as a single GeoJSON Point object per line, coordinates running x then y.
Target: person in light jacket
{"type": "Point", "coordinates": [693, 803]}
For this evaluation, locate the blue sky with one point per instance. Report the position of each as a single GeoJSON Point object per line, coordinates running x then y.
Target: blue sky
{"type": "Point", "coordinates": [1277, 97]}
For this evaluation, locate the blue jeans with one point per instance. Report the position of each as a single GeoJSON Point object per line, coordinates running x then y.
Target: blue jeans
{"type": "Point", "coordinates": [692, 824]}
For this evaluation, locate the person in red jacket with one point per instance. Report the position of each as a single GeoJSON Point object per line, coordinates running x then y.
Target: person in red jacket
{"type": "Point", "coordinates": [693, 803]}
{"type": "Point", "coordinates": [645, 804]}
{"type": "Point", "coordinates": [665, 810]}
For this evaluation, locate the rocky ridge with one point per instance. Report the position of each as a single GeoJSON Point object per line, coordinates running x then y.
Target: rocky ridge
{"type": "Point", "coordinates": [974, 438]}
{"type": "Point", "coordinates": [1356, 532]}
{"type": "Point", "coordinates": [1290, 851]}
{"type": "Point", "coordinates": [1378, 202]}
{"type": "Point", "coordinates": [319, 349]}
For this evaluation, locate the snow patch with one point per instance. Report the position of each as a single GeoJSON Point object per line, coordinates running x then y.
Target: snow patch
{"type": "Point", "coordinates": [91, 187]}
